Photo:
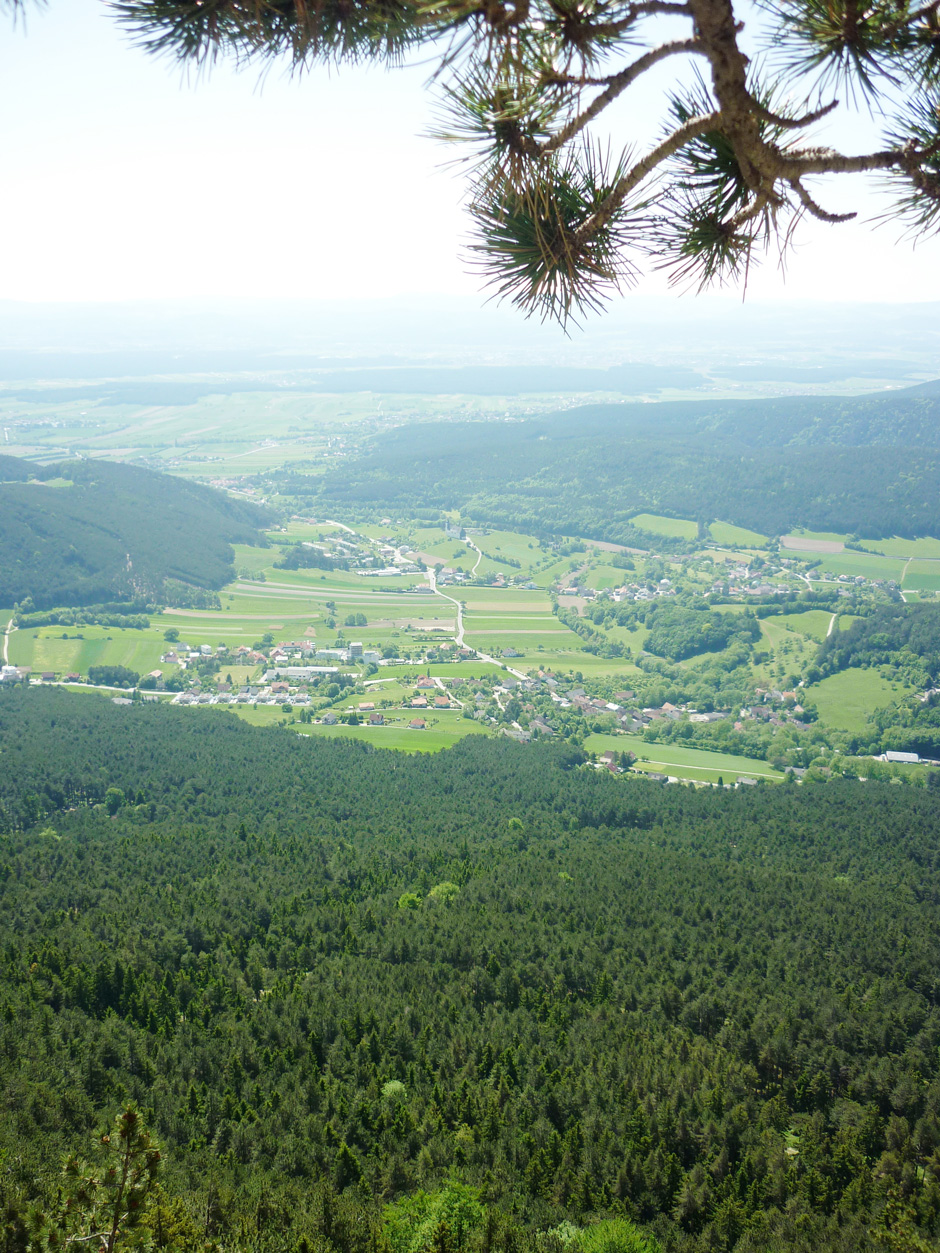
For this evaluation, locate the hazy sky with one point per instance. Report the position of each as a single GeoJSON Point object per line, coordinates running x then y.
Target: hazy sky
{"type": "Point", "coordinates": [123, 180]}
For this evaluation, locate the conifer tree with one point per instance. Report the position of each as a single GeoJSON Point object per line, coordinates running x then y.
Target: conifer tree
{"type": "Point", "coordinates": [102, 1203]}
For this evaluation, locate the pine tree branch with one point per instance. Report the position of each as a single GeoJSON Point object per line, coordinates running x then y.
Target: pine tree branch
{"type": "Point", "coordinates": [642, 169]}
{"type": "Point", "coordinates": [616, 86]}
{"type": "Point", "coordinates": [816, 210]}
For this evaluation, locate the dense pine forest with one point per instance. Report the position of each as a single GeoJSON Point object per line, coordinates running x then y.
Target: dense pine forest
{"type": "Point", "coordinates": [495, 998]}
{"type": "Point", "coordinates": [79, 532]}
{"type": "Point", "coordinates": [866, 465]}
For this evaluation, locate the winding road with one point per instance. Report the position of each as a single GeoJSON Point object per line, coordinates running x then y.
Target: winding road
{"type": "Point", "coordinates": [458, 638]}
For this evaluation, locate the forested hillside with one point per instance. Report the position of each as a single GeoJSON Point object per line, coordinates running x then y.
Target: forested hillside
{"type": "Point", "coordinates": [78, 532]}
{"type": "Point", "coordinates": [868, 465]}
{"type": "Point", "coordinates": [334, 976]}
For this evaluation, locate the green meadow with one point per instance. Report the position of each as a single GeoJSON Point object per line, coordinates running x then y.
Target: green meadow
{"type": "Point", "coordinates": [44, 648]}
{"type": "Point", "coordinates": [730, 536]}
{"type": "Point", "coordinates": [441, 732]}
{"type": "Point", "coordinates": [846, 699]}
{"type": "Point", "coordinates": [922, 574]}
{"type": "Point", "coordinates": [696, 764]}
{"type": "Point", "coordinates": [868, 565]}
{"type": "Point", "coordinates": [672, 528]}
{"type": "Point", "coordinates": [926, 546]}
{"type": "Point", "coordinates": [814, 623]}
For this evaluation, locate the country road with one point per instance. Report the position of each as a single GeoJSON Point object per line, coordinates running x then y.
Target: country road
{"type": "Point", "coordinates": [458, 638]}
{"type": "Point", "coordinates": [10, 628]}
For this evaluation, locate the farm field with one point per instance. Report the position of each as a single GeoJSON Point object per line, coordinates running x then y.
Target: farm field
{"type": "Point", "coordinates": [43, 648]}
{"type": "Point", "coordinates": [868, 565]}
{"type": "Point", "coordinates": [846, 699]}
{"type": "Point", "coordinates": [926, 546]}
{"type": "Point", "coordinates": [672, 528]}
{"type": "Point", "coordinates": [697, 764]}
{"type": "Point", "coordinates": [401, 737]}
{"type": "Point", "coordinates": [730, 536]}
{"type": "Point", "coordinates": [922, 574]}
{"type": "Point", "coordinates": [828, 536]}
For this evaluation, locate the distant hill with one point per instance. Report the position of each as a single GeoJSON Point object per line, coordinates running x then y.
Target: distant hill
{"type": "Point", "coordinates": [78, 532]}
{"type": "Point", "coordinates": [868, 465]}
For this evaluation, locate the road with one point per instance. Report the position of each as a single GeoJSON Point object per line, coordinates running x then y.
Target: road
{"type": "Point", "coordinates": [10, 628]}
{"type": "Point", "coordinates": [832, 625]}
{"type": "Point", "coordinates": [901, 580]}
{"type": "Point", "coordinates": [458, 638]}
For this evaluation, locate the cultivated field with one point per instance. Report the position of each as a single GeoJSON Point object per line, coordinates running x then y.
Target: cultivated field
{"type": "Point", "coordinates": [698, 765]}
{"type": "Point", "coordinates": [673, 528]}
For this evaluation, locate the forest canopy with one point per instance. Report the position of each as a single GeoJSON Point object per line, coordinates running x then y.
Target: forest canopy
{"type": "Point", "coordinates": [81, 532]}
{"type": "Point", "coordinates": [866, 465]}
{"type": "Point", "coordinates": [710, 1017]}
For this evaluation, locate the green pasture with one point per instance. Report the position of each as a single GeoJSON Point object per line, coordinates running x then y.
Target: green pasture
{"type": "Point", "coordinates": [635, 640]}
{"type": "Point", "coordinates": [721, 558]}
{"type": "Point", "coordinates": [600, 576]}
{"type": "Point", "coordinates": [813, 623]}
{"type": "Point", "coordinates": [846, 699]}
{"type": "Point", "coordinates": [730, 536]}
{"type": "Point", "coordinates": [525, 623]}
{"type": "Point", "coordinates": [925, 546]}
{"type": "Point", "coordinates": [555, 571]}
{"type": "Point", "coordinates": [534, 648]}
{"type": "Point", "coordinates": [255, 559]}
{"type": "Point", "coordinates": [508, 544]}
{"type": "Point", "coordinates": [672, 528]}
{"type": "Point", "coordinates": [684, 763]}
{"type": "Point", "coordinates": [446, 730]}
{"type": "Point", "coordinates": [868, 565]}
{"type": "Point", "coordinates": [831, 536]}
{"type": "Point", "coordinates": [574, 662]}
{"type": "Point", "coordinates": [258, 716]}
{"type": "Point", "coordinates": [922, 574]}
{"type": "Point", "coordinates": [43, 648]}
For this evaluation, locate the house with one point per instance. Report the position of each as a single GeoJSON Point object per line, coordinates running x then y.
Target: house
{"type": "Point", "coordinates": [419, 702]}
{"type": "Point", "coordinates": [329, 718]}
{"type": "Point", "coordinates": [442, 702]}
{"type": "Point", "coordinates": [47, 676]}
{"type": "Point", "coordinates": [366, 705]}
{"type": "Point", "coordinates": [417, 724]}
{"type": "Point", "coordinates": [908, 758]}
{"type": "Point", "coordinates": [73, 678]}
{"type": "Point", "coordinates": [425, 682]}
{"type": "Point", "coordinates": [376, 720]}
